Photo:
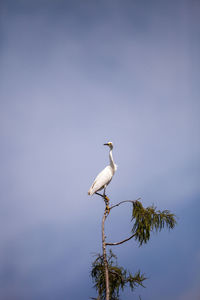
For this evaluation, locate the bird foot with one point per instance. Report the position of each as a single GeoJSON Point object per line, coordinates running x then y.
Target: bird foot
{"type": "Point", "coordinates": [106, 198]}
{"type": "Point", "coordinates": [107, 204]}
{"type": "Point", "coordinates": [107, 209]}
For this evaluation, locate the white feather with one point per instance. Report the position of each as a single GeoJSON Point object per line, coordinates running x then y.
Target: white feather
{"type": "Point", "coordinates": [105, 176]}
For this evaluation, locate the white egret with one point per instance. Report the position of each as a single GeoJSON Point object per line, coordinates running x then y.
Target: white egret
{"type": "Point", "coordinates": [105, 176]}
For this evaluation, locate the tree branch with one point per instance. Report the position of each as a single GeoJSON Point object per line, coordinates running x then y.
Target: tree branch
{"type": "Point", "coordinates": [105, 258]}
{"type": "Point", "coordinates": [119, 243]}
{"type": "Point", "coordinates": [131, 201]}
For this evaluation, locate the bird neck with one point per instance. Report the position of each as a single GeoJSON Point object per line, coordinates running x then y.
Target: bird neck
{"type": "Point", "coordinates": [112, 164]}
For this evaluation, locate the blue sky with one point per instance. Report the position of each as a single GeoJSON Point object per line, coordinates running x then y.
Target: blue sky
{"type": "Point", "coordinates": [74, 75]}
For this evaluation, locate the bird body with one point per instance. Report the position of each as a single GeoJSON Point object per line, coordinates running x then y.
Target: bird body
{"type": "Point", "coordinates": [105, 176]}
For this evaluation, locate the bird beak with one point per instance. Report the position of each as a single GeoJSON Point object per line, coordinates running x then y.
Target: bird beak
{"type": "Point", "coordinates": [105, 144]}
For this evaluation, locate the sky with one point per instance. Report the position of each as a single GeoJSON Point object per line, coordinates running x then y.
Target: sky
{"type": "Point", "coordinates": [74, 75]}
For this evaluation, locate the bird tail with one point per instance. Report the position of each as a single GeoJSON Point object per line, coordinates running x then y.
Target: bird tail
{"type": "Point", "coordinates": [90, 192]}
{"type": "Point", "coordinates": [92, 189]}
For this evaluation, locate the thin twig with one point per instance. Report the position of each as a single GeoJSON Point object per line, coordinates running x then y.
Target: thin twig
{"type": "Point", "coordinates": [131, 201]}
{"type": "Point", "coordinates": [118, 243]}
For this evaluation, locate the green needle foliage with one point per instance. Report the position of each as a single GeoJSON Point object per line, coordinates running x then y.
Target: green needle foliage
{"type": "Point", "coordinates": [148, 219]}
{"type": "Point", "coordinates": [119, 278]}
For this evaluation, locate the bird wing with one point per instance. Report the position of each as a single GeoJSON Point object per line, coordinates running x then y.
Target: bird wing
{"type": "Point", "coordinates": [102, 179]}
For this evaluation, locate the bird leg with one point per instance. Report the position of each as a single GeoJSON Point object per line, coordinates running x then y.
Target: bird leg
{"type": "Point", "coordinates": [106, 199]}
{"type": "Point", "coordinates": [99, 194]}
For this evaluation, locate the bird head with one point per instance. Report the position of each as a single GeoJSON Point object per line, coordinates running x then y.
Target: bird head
{"type": "Point", "coordinates": [109, 144]}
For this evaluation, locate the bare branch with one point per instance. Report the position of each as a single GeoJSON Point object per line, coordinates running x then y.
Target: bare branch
{"type": "Point", "coordinates": [119, 243]}
{"type": "Point", "coordinates": [105, 257]}
{"type": "Point", "coordinates": [131, 201]}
